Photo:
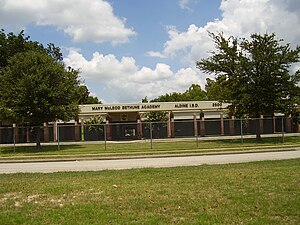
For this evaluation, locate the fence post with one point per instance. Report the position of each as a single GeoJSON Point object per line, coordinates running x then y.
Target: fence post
{"type": "Point", "coordinates": [57, 133]}
{"type": "Point", "coordinates": [282, 129]}
{"type": "Point", "coordinates": [104, 137]}
{"type": "Point", "coordinates": [14, 136]}
{"type": "Point", "coordinates": [150, 135]}
{"type": "Point", "coordinates": [242, 138]}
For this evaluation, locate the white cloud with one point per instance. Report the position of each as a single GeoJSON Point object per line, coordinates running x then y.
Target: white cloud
{"type": "Point", "coordinates": [183, 4]}
{"type": "Point", "coordinates": [104, 67]}
{"type": "Point", "coordinates": [82, 20]}
{"type": "Point", "coordinates": [239, 18]}
{"type": "Point", "coordinates": [127, 82]}
{"type": "Point", "coordinates": [155, 54]}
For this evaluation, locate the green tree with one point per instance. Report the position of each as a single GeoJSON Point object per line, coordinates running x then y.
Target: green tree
{"type": "Point", "coordinates": [11, 44]}
{"type": "Point", "coordinates": [92, 100]}
{"type": "Point", "coordinates": [159, 116]}
{"type": "Point", "coordinates": [254, 75]}
{"type": "Point", "coordinates": [193, 93]}
{"type": "Point", "coordinates": [156, 121]}
{"type": "Point", "coordinates": [85, 97]}
{"type": "Point", "coordinates": [145, 100]}
{"type": "Point", "coordinates": [94, 124]}
{"type": "Point", "coordinates": [35, 88]}
{"type": "Point", "coordinates": [213, 90]}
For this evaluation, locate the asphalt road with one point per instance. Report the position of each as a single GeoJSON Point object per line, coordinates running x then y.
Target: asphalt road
{"type": "Point", "coordinates": [96, 165]}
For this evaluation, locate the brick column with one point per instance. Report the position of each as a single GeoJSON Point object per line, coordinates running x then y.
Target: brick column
{"type": "Point", "coordinates": [1, 138]}
{"type": "Point", "coordinates": [231, 125]}
{"type": "Point", "coordinates": [222, 123]}
{"type": "Point", "coordinates": [261, 124]}
{"type": "Point", "coordinates": [202, 124]}
{"type": "Point", "coordinates": [195, 125]}
{"type": "Point", "coordinates": [108, 128]}
{"type": "Point", "coordinates": [139, 127]}
{"type": "Point", "coordinates": [55, 131]}
{"type": "Point", "coordinates": [170, 125]}
{"type": "Point", "coordinates": [16, 133]}
{"type": "Point", "coordinates": [274, 124]}
{"type": "Point", "coordinates": [27, 135]}
{"type": "Point", "coordinates": [46, 132]}
{"type": "Point", "coordinates": [288, 124]}
{"type": "Point", "coordinates": [76, 131]}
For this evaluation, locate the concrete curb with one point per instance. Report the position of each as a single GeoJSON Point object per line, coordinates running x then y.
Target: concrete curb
{"type": "Point", "coordinates": [86, 158]}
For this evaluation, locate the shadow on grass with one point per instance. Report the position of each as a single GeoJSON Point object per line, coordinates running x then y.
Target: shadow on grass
{"type": "Point", "coordinates": [274, 140]}
{"type": "Point", "coordinates": [263, 140]}
{"type": "Point", "coordinates": [34, 149]}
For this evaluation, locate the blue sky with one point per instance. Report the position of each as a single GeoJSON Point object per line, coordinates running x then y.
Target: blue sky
{"type": "Point", "coordinates": [129, 49]}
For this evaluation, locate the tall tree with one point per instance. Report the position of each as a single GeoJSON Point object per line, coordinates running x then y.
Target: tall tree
{"type": "Point", "coordinates": [213, 90]}
{"type": "Point", "coordinates": [254, 75]}
{"type": "Point", "coordinates": [35, 88]}
{"type": "Point", "coordinates": [11, 44]}
{"type": "Point", "coordinates": [195, 93]}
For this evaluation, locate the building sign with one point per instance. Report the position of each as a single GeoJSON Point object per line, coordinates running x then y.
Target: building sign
{"type": "Point", "coordinates": [124, 107]}
{"type": "Point", "coordinates": [153, 106]}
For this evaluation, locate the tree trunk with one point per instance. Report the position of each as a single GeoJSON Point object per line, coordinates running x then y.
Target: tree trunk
{"type": "Point", "coordinates": [258, 131]}
{"type": "Point", "coordinates": [38, 137]}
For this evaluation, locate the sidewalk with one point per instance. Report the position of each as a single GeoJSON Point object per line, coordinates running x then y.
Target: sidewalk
{"type": "Point", "coordinates": [118, 164]}
{"type": "Point", "coordinates": [140, 155]}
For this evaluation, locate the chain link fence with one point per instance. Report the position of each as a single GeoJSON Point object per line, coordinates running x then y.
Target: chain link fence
{"type": "Point", "coordinates": [198, 130]}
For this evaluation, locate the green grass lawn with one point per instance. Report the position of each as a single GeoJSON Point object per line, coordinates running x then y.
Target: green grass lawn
{"type": "Point", "coordinates": [144, 147]}
{"type": "Point", "coordinates": [249, 193]}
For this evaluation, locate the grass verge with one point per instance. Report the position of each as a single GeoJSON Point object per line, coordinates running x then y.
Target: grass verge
{"type": "Point", "coordinates": [249, 193]}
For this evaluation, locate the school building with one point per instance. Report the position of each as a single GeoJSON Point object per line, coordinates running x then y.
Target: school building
{"type": "Point", "coordinates": [127, 122]}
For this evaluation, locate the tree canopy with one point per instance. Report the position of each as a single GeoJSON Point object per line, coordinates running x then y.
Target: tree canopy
{"type": "Point", "coordinates": [35, 85]}
{"type": "Point", "coordinates": [11, 44]}
{"type": "Point", "coordinates": [35, 88]}
{"type": "Point", "coordinates": [253, 75]}
{"type": "Point", "coordinates": [86, 98]}
{"type": "Point", "coordinates": [193, 93]}
{"type": "Point", "coordinates": [159, 116]}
